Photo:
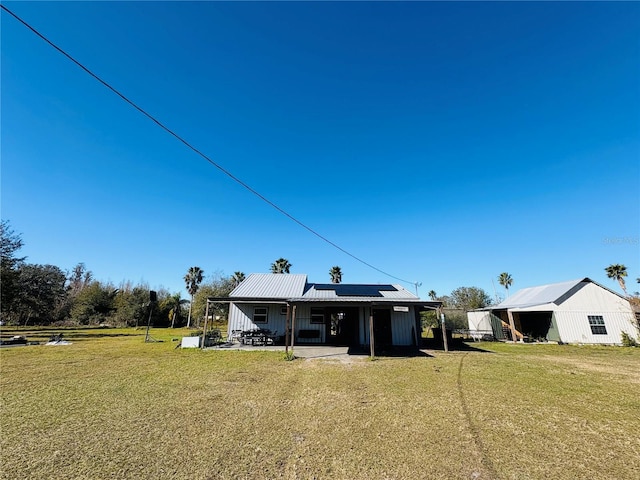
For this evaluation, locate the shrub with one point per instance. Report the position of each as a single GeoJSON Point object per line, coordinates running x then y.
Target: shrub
{"type": "Point", "coordinates": [628, 340]}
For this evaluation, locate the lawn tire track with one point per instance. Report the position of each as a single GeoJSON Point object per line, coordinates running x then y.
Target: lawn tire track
{"type": "Point", "coordinates": [475, 435]}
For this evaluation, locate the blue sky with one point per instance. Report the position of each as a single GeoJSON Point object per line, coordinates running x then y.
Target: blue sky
{"type": "Point", "coordinates": [440, 142]}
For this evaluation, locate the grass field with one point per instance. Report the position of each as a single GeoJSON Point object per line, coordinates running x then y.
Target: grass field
{"type": "Point", "coordinates": [112, 406]}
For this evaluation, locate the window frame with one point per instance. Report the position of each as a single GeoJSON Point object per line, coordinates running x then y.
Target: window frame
{"type": "Point", "coordinates": [260, 314]}
{"type": "Point", "coordinates": [597, 325]}
{"type": "Point", "coordinates": [319, 312]}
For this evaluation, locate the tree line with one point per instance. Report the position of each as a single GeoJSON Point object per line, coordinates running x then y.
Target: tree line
{"type": "Point", "coordinates": [35, 294]}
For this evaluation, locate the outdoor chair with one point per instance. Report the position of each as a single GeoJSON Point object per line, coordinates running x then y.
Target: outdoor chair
{"type": "Point", "coordinates": [272, 338]}
{"type": "Point", "coordinates": [235, 336]}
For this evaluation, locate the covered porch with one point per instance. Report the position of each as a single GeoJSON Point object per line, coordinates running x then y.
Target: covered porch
{"type": "Point", "coordinates": [357, 324]}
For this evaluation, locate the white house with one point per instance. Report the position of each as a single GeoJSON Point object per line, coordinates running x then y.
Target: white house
{"type": "Point", "coordinates": [326, 314]}
{"type": "Point", "coordinates": [579, 311]}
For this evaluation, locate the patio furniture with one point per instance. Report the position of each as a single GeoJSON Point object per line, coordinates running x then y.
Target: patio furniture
{"type": "Point", "coordinates": [256, 337]}
{"type": "Point", "coordinates": [235, 336]}
{"type": "Point", "coordinates": [272, 338]}
{"type": "Point", "coordinates": [213, 337]}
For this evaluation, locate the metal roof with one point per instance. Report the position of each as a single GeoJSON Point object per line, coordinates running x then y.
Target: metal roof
{"type": "Point", "coordinates": [294, 287]}
{"type": "Point", "coordinates": [342, 291]}
{"type": "Point", "coordinates": [271, 285]}
{"type": "Point", "coordinates": [544, 294]}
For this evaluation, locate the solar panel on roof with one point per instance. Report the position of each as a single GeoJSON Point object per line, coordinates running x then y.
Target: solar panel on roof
{"type": "Point", "coordinates": [346, 290]}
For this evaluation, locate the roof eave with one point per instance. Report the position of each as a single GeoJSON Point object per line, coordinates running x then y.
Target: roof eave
{"type": "Point", "coordinates": [367, 300]}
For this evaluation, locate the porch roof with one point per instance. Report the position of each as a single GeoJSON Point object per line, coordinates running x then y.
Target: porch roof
{"type": "Point", "coordinates": [374, 301]}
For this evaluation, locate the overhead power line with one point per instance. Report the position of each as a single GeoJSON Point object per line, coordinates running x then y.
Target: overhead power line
{"type": "Point", "coordinates": [198, 152]}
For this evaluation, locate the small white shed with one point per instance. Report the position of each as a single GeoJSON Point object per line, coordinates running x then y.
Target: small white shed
{"type": "Point", "coordinates": [579, 311]}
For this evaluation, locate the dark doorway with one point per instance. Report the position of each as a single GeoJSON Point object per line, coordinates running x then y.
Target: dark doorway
{"type": "Point", "coordinates": [382, 329]}
{"type": "Point", "coordinates": [342, 326]}
{"type": "Point", "coordinates": [535, 325]}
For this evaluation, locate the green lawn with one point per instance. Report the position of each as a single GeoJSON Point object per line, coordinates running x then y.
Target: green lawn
{"type": "Point", "coordinates": [112, 406]}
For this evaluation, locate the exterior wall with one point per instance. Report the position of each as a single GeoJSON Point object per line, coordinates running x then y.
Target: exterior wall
{"type": "Point", "coordinates": [403, 327]}
{"type": "Point", "coordinates": [241, 318]}
{"type": "Point", "coordinates": [594, 297]}
{"type": "Point", "coordinates": [573, 327]}
{"type": "Point", "coordinates": [479, 323]}
{"type": "Point", "coordinates": [573, 324]}
{"type": "Point", "coordinates": [303, 322]}
{"type": "Point", "coordinates": [553, 335]}
{"type": "Point", "coordinates": [365, 312]}
{"type": "Point", "coordinates": [403, 324]}
{"type": "Point", "coordinates": [484, 323]}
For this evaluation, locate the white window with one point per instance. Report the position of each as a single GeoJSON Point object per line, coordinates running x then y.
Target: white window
{"type": "Point", "coordinates": [260, 314]}
{"type": "Point", "coordinates": [596, 322]}
{"type": "Point", "coordinates": [317, 315]}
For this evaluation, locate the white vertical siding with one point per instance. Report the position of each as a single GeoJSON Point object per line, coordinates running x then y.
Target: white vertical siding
{"type": "Point", "coordinates": [237, 319]}
{"type": "Point", "coordinates": [403, 327]}
{"type": "Point", "coordinates": [241, 318]}
{"type": "Point", "coordinates": [303, 322]}
{"type": "Point", "coordinates": [573, 327]}
{"type": "Point", "coordinates": [484, 323]}
{"type": "Point", "coordinates": [403, 324]}
{"type": "Point", "coordinates": [593, 297]}
{"type": "Point", "coordinates": [572, 316]}
{"type": "Point", "coordinates": [479, 322]}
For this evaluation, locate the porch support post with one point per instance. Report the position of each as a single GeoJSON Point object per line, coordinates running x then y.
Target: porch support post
{"type": "Point", "coordinates": [286, 330]}
{"type": "Point", "coordinates": [204, 330]}
{"type": "Point", "coordinates": [371, 339]}
{"type": "Point", "coordinates": [293, 327]}
{"type": "Point", "coordinates": [512, 325]}
{"type": "Point", "coordinates": [445, 342]}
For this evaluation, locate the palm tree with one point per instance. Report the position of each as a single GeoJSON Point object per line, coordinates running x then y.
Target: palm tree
{"type": "Point", "coordinates": [237, 278]}
{"type": "Point", "coordinates": [432, 295]}
{"type": "Point", "coordinates": [505, 280]}
{"type": "Point", "coordinates": [281, 265]}
{"type": "Point", "coordinates": [617, 272]}
{"type": "Point", "coordinates": [336, 274]}
{"type": "Point", "coordinates": [193, 279]}
{"type": "Point", "coordinates": [175, 303]}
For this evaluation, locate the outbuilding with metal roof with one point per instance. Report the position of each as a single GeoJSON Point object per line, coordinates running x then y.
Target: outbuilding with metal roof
{"type": "Point", "coordinates": [578, 311]}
